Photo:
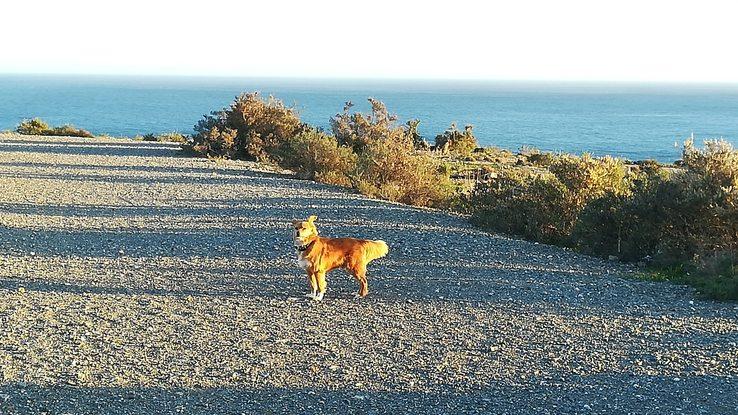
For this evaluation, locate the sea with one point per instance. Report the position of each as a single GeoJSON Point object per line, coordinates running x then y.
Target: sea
{"type": "Point", "coordinates": [627, 120]}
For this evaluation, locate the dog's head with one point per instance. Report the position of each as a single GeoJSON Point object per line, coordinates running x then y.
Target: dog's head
{"type": "Point", "coordinates": [305, 231]}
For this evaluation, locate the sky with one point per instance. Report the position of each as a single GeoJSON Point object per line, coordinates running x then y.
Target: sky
{"type": "Point", "coordinates": [564, 40]}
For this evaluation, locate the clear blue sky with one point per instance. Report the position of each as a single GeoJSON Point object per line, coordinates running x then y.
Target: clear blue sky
{"type": "Point", "coordinates": [625, 40]}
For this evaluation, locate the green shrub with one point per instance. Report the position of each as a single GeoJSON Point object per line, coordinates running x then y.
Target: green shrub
{"type": "Point", "coordinates": [545, 206]}
{"type": "Point", "coordinates": [251, 128]}
{"type": "Point", "coordinates": [35, 126]}
{"type": "Point", "coordinates": [456, 142]}
{"type": "Point", "coordinates": [357, 130]}
{"type": "Point", "coordinates": [522, 203]}
{"type": "Point", "coordinates": [315, 155]}
{"type": "Point", "coordinates": [390, 169]}
{"type": "Point", "coordinates": [686, 220]}
{"type": "Point", "coordinates": [673, 218]}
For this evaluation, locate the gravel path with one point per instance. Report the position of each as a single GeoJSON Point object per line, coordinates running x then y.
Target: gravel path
{"type": "Point", "coordinates": [134, 279]}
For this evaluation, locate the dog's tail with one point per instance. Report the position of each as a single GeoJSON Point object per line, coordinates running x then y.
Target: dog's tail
{"type": "Point", "coordinates": [375, 249]}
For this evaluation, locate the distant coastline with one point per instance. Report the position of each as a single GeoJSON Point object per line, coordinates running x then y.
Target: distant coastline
{"type": "Point", "coordinates": [629, 120]}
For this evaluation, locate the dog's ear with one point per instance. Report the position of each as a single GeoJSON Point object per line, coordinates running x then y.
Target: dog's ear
{"type": "Point", "coordinates": [312, 218]}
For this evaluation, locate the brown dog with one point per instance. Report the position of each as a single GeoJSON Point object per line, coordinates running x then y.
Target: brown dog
{"type": "Point", "coordinates": [319, 255]}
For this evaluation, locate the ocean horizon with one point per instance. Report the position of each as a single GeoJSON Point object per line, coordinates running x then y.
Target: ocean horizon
{"type": "Point", "coordinates": [635, 121]}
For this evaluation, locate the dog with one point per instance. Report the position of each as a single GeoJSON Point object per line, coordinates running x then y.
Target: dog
{"type": "Point", "coordinates": [318, 255]}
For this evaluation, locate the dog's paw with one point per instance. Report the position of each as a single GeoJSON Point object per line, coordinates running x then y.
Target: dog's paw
{"type": "Point", "coordinates": [319, 297]}
{"type": "Point", "coordinates": [310, 295]}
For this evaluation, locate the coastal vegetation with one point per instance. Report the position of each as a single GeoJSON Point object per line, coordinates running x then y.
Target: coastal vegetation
{"type": "Point", "coordinates": [681, 223]}
{"type": "Point", "coordinates": [678, 222]}
{"type": "Point", "coordinates": [171, 137]}
{"type": "Point", "coordinates": [368, 152]}
{"type": "Point", "coordinates": [37, 126]}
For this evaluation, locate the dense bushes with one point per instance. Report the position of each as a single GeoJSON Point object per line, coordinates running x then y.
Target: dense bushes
{"type": "Point", "coordinates": [545, 205]}
{"type": "Point", "coordinates": [37, 126]}
{"type": "Point", "coordinates": [315, 155]}
{"type": "Point", "coordinates": [251, 128]}
{"type": "Point", "coordinates": [369, 152]}
{"type": "Point", "coordinates": [389, 169]}
{"type": "Point", "coordinates": [685, 218]}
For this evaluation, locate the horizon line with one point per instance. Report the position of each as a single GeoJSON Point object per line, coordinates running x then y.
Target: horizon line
{"type": "Point", "coordinates": [362, 78]}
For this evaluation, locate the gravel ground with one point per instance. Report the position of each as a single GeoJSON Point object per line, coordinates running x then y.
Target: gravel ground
{"type": "Point", "coordinates": [134, 279]}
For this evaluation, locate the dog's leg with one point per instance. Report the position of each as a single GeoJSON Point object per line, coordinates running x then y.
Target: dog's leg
{"type": "Point", "coordinates": [312, 279]}
{"type": "Point", "coordinates": [360, 274]}
{"type": "Point", "coordinates": [321, 286]}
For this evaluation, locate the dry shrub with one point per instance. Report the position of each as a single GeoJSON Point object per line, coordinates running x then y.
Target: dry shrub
{"type": "Point", "coordinates": [262, 129]}
{"type": "Point", "coordinates": [315, 155]}
{"type": "Point", "coordinates": [389, 167]}
{"type": "Point", "coordinates": [456, 142]}
{"type": "Point", "coordinates": [173, 137]}
{"type": "Point", "coordinates": [369, 152]}
{"type": "Point", "coordinates": [391, 170]}
{"type": "Point", "coordinates": [358, 130]}
{"type": "Point", "coordinates": [69, 131]}
{"type": "Point", "coordinates": [35, 126]}
{"type": "Point", "coordinates": [216, 142]}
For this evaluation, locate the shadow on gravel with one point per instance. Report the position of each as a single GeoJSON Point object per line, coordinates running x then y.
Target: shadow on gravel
{"type": "Point", "coordinates": [173, 179]}
{"type": "Point", "coordinates": [58, 141]}
{"type": "Point", "coordinates": [219, 170]}
{"type": "Point", "coordinates": [595, 394]}
{"type": "Point", "coordinates": [75, 148]}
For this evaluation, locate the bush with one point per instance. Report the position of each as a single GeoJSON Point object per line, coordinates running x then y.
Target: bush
{"type": "Point", "coordinates": [357, 130]}
{"type": "Point", "coordinates": [173, 137]}
{"type": "Point", "coordinates": [545, 206]}
{"type": "Point", "coordinates": [251, 128]}
{"type": "Point", "coordinates": [535, 157]}
{"type": "Point", "coordinates": [69, 131]}
{"type": "Point", "coordinates": [522, 203]}
{"type": "Point", "coordinates": [456, 142]}
{"type": "Point", "coordinates": [368, 152]}
{"type": "Point", "coordinates": [412, 132]}
{"type": "Point", "coordinates": [35, 126]}
{"type": "Point", "coordinates": [673, 218]}
{"type": "Point", "coordinates": [314, 155]}
{"type": "Point", "coordinates": [686, 220]}
{"type": "Point", "coordinates": [217, 142]}
{"type": "Point", "coordinates": [390, 169]}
